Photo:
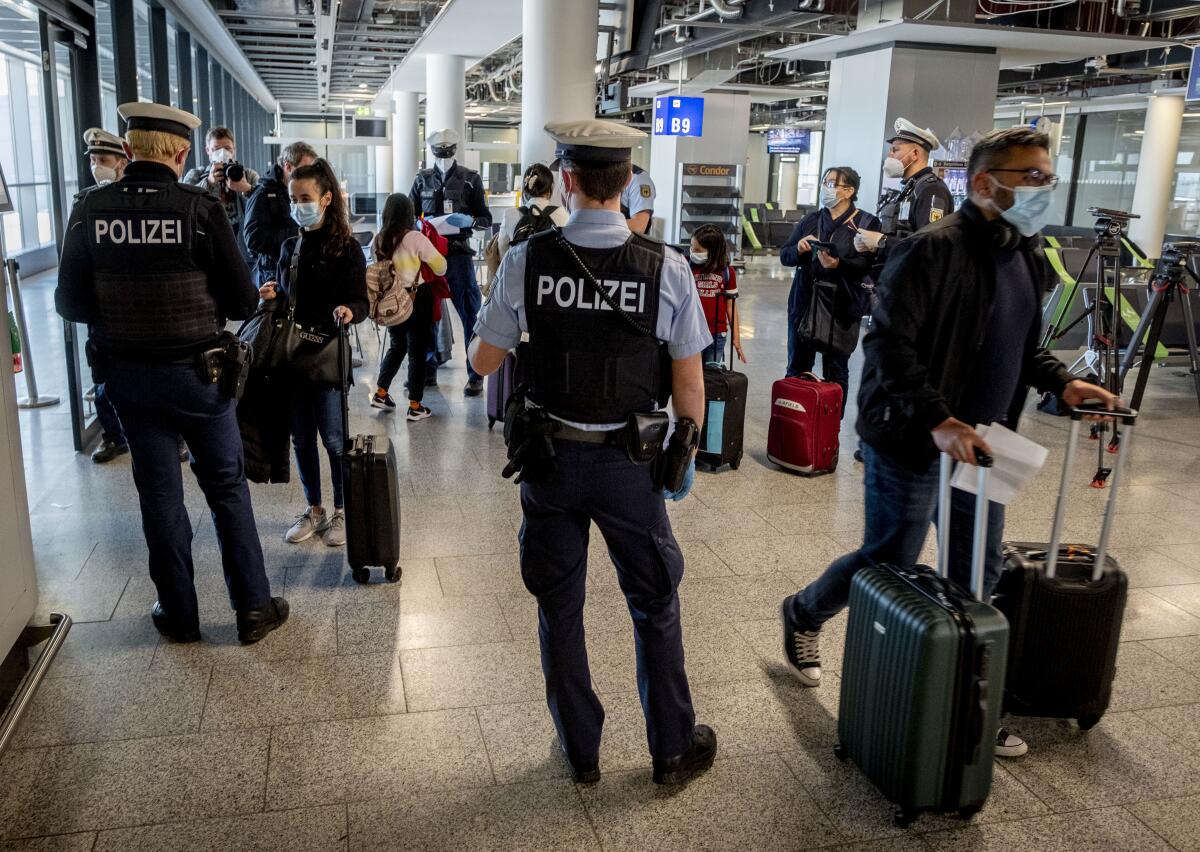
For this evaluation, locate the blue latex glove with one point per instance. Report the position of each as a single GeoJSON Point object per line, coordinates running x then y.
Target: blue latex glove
{"type": "Point", "coordinates": [689, 477]}
{"type": "Point", "coordinates": [460, 220]}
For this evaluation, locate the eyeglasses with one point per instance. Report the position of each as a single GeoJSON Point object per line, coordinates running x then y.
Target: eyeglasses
{"type": "Point", "coordinates": [830, 184]}
{"type": "Point", "coordinates": [1033, 177]}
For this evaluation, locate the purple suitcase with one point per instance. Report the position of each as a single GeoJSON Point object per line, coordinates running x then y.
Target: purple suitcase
{"type": "Point", "coordinates": [499, 389]}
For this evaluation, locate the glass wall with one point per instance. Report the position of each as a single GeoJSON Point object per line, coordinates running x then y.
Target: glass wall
{"type": "Point", "coordinates": [1108, 165]}
{"type": "Point", "coordinates": [353, 164]}
{"type": "Point", "coordinates": [172, 62]}
{"type": "Point", "coordinates": [1183, 217]}
{"type": "Point", "coordinates": [24, 153]}
{"type": "Point", "coordinates": [145, 68]}
{"type": "Point", "coordinates": [108, 67]}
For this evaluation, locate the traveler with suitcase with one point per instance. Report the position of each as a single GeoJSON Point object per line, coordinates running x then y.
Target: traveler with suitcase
{"type": "Point", "coordinates": [827, 300]}
{"type": "Point", "coordinates": [322, 279]}
{"type": "Point", "coordinates": [409, 250]}
{"type": "Point", "coordinates": [717, 282]}
{"type": "Point", "coordinates": [954, 343]}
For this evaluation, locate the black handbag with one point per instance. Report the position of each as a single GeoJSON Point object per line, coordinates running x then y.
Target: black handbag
{"type": "Point", "coordinates": [821, 326]}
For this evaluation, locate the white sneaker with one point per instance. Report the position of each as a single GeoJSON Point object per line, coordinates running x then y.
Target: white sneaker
{"type": "Point", "coordinates": [308, 523]}
{"type": "Point", "coordinates": [1009, 744]}
{"type": "Point", "coordinates": [335, 532]}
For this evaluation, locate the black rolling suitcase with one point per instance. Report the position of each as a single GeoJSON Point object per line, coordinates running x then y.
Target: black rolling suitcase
{"type": "Point", "coordinates": [372, 495]}
{"type": "Point", "coordinates": [725, 392]}
{"type": "Point", "coordinates": [923, 679]}
{"type": "Point", "coordinates": [1065, 604]}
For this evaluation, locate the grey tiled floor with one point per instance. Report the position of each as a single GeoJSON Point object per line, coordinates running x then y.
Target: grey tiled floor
{"type": "Point", "coordinates": [412, 716]}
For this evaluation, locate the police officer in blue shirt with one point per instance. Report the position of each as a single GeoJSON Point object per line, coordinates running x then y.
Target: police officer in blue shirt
{"type": "Point", "coordinates": [615, 326]}
{"type": "Point", "coordinates": [637, 201]}
{"type": "Point", "coordinates": [153, 267]}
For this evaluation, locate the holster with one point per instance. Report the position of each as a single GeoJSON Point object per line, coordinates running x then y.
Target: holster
{"type": "Point", "coordinates": [644, 435]}
{"type": "Point", "coordinates": [528, 435]}
{"type": "Point", "coordinates": [227, 364]}
{"type": "Point", "coordinates": [674, 462]}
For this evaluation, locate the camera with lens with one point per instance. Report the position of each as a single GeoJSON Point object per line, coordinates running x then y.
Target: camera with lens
{"type": "Point", "coordinates": [234, 172]}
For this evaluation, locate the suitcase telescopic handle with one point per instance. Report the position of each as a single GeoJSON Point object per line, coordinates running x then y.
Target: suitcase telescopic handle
{"type": "Point", "coordinates": [343, 333]}
{"type": "Point", "coordinates": [1129, 417]}
{"type": "Point", "coordinates": [979, 541]}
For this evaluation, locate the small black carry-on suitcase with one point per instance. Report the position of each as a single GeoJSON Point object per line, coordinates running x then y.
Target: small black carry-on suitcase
{"type": "Point", "coordinates": [1065, 604]}
{"type": "Point", "coordinates": [372, 495]}
{"type": "Point", "coordinates": [923, 679]}
{"type": "Point", "coordinates": [725, 392]}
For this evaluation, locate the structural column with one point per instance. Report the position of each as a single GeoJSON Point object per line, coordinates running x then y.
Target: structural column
{"type": "Point", "coordinates": [384, 165]}
{"type": "Point", "coordinates": [1156, 172]}
{"type": "Point", "coordinates": [406, 141]}
{"type": "Point", "coordinates": [446, 95]}
{"type": "Point", "coordinates": [558, 70]}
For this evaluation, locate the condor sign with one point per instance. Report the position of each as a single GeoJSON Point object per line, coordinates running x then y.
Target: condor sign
{"type": "Point", "coordinates": [678, 116]}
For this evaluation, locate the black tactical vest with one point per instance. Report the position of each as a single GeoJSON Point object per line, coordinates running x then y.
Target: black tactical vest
{"type": "Point", "coordinates": [890, 220]}
{"type": "Point", "coordinates": [151, 297]}
{"type": "Point", "coordinates": [586, 363]}
{"type": "Point", "coordinates": [435, 194]}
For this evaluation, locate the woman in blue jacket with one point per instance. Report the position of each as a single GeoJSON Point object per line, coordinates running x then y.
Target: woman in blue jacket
{"type": "Point", "coordinates": [836, 222]}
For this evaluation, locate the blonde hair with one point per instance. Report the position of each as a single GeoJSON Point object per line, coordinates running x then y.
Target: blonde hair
{"type": "Point", "coordinates": [155, 144]}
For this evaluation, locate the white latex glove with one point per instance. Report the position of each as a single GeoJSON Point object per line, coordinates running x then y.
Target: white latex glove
{"type": "Point", "coordinates": [867, 240]}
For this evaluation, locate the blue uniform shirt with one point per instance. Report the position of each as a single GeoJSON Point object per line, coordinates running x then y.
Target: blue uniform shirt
{"type": "Point", "coordinates": [639, 195]}
{"type": "Point", "coordinates": [681, 322]}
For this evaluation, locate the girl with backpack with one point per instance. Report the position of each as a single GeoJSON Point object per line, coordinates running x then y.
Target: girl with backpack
{"type": "Point", "coordinates": [520, 223]}
{"type": "Point", "coordinates": [717, 282]}
{"type": "Point", "coordinates": [401, 241]}
{"type": "Point", "coordinates": [322, 275]}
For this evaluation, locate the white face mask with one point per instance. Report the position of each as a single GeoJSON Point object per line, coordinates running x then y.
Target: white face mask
{"type": "Point", "coordinates": [221, 155]}
{"type": "Point", "coordinates": [444, 163]}
{"type": "Point", "coordinates": [893, 168]}
{"type": "Point", "coordinates": [104, 174]}
{"type": "Point", "coordinates": [699, 258]}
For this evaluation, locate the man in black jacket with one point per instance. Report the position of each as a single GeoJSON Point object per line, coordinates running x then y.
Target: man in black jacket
{"type": "Point", "coordinates": [954, 344]}
{"type": "Point", "coordinates": [268, 217]}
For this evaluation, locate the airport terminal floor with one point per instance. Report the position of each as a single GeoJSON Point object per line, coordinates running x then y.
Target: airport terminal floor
{"type": "Point", "coordinates": [413, 716]}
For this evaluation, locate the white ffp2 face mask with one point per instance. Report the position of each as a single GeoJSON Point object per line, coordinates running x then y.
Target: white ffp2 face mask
{"type": "Point", "coordinates": [893, 168]}
{"type": "Point", "coordinates": [103, 174]}
{"type": "Point", "coordinates": [699, 258]}
{"type": "Point", "coordinates": [444, 163]}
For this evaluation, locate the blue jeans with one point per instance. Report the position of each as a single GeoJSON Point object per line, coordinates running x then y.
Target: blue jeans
{"type": "Point", "coordinates": [157, 404]}
{"type": "Point", "coordinates": [715, 354]}
{"type": "Point", "coordinates": [900, 505]}
{"type": "Point", "coordinates": [318, 409]}
{"type": "Point", "coordinates": [464, 292]}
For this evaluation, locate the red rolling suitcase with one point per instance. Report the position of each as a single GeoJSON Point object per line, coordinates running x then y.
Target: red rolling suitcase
{"type": "Point", "coordinates": [1065, 603]}
{"type": "Point", "coordinates": [372, 494]}
{"type": "Point", "coordinates": [806, 416]}
{"type": "Point", "coordinates": [500, 388]}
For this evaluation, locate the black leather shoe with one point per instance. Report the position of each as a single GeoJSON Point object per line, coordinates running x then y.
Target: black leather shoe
{"type": "Point", "coordinates": [109, 450]}
{"type": "Point", "coordinates": [164, 625]}
{"type": "Point", "coordinates": [254, 624]}
{"type": "Point", "coordinates": [585, 773]}
{"type": "Point", "coordinates": [699, 757]}
{"type": "Point", "coordinates": [473, 388]}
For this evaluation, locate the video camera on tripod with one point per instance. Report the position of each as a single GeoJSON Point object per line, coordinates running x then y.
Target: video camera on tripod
{"type": "Point", "coordinates": [1111, 224]}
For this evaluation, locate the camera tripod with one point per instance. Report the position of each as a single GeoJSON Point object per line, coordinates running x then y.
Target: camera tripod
{"type": "Point", "coordinates": [1167, 282]}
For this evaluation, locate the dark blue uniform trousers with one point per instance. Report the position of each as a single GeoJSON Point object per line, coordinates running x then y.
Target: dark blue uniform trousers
{"type": "Point", "coordinates": [598, 483]}
{"type": "Point", "coordinates": [464, 293]}
{"type": "Point", "coordinates": [110, 424]}
{"type": "Point", "coordinates": [157, 403]}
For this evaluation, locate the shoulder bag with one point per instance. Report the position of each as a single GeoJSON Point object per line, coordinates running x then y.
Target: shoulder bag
{"type": "Point", "coordinates": [307, 352]}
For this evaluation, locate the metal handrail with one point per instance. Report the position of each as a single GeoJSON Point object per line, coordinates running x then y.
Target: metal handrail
{"type": "Point", "coordinates": [32, 679]}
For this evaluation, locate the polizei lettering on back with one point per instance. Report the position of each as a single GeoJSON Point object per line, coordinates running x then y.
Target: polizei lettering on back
{"type": "Point", "coordinates": [140, 231]}
{"type": "Point", "coordinates": [569, 292]}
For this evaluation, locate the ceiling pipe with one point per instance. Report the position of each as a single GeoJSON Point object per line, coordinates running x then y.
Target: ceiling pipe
{"type": "Point", "coordinates": [728, 10]}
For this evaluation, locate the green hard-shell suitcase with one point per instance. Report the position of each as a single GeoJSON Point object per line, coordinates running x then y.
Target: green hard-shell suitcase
{"type": "Point", "coordinates": [923, 680]}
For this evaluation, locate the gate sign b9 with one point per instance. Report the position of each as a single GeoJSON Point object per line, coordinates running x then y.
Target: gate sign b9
{"type": "Point", "coordinates": [1193, 86]}
{"type": "Point", "coordinates": [675, 116]}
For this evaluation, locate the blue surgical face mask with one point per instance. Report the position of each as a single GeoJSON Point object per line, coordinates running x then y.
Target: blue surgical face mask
{"type": "Point", "coordinates": [307, 214]}
{"type": "Point", "coordinates": [1030, 209]}
{"type": "Point", "coordinates": [829, 197]}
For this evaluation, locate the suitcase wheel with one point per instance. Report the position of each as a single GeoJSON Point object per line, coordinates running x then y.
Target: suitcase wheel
{"type": "Point", "coordinates": [1086, 723]}
{"type": "Point", "coordinates": [839, 751]}
{"type": "Point", "coordinates": [736, 463]}
{"type": "Point", "coordinates": [491, 423]}
{"type": "Point", "coordinates": [904, 817]}
{"type": "Point", "coordinates": [360, 575]}
{"type": "Point", "coordinates": [393, 574]}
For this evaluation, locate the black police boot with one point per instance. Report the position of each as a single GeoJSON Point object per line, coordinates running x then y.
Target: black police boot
{"type": "Point", "coordinates": [683, 767]}
{"type": "Point", "coordinates": [109, 450]}
{"type": "Point", "coordinates": [254, 624]}
{"type": "Point", "coordinates": [587, 772]}
{"type": "Point", "coordinates": [164, 625]}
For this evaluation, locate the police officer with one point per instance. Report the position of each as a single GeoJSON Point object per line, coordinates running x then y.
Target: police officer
{"type": "Point", "coordinates": [594, 365]}
{"type": "Point", "coordinates": [637, 201]}
{"type": "Point", "coordinates": [106, 155]}
{"type": "Point", "coordinates": [152, 266]}
{"type": "Point", "coordinates": [451, 189]}
{"type": "Point", "coordinates": [923, 196]}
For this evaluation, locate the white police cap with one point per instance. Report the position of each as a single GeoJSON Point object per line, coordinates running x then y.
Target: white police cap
{"type": "Point", "coordinates": [100, 141]}
{"type": "Point", "coordinates": [165, 119]}
{"type": "Point", "coordinates": [594, 140]}
{"type": "Point", "coordinates": [906, 131]}
{"type": "Point", "coordinates": [443, 138]}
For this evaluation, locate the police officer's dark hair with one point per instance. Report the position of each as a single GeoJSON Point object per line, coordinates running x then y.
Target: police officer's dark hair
{"type": "Point", "coordinates": [846, 175]}
{"type": "Point", "coordinates": [398, 220]}
{"type": "Point", "coordinates": [294, 153]}
{"type": "Point", "coordinates": [336, 218]}
{"type": "Point", "coordinates": [218, 132]}
{"type": "Point", "coordinates": [992, 151]}
{"type": "Point", "coordinates": [599, 181]}
{"type": "Point", "coordinates": [710, 238]}
{"type": "Point", "coordinates": [538, 181]}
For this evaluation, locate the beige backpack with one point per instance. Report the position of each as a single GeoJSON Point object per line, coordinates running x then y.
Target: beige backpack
{"type": "Point", "coordinates": [390, 301]}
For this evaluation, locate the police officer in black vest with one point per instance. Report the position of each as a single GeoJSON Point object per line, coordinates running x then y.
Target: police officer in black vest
{"type": "Point", "coordinates": [923, 197]}
{"type": "Point", "coordinates": [153, 267]}
{"type": "Point", "coordinates": [451, 189]}
{"type": "Point", "coordinates": [615, 327]}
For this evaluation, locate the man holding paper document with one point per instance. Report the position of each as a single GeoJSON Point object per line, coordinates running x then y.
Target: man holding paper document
{"type": "Point", "coordinates": [954, 344]}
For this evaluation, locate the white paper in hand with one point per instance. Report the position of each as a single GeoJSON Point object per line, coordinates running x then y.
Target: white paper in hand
{"type": "Point", "coordinates": [1015, 462]}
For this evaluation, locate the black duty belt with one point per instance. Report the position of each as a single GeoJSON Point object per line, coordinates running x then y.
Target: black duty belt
{"type": "Point", "coordinates": [616, 437]}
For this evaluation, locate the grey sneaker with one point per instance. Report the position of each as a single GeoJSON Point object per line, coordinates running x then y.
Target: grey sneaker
{"type": "Point", "coordinates": [1009, 744]}
{"type": "Point", "coordinates": [335, 533]}
{"type": "Point", "coordinates": [308, 523]}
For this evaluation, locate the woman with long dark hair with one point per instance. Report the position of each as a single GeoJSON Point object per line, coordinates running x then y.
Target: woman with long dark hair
{"type": "Point", "coordinates": [716, 281]}
{"type": "Point", "coordinates": [401, 241]}
{"type": "Point", "coordinates": [329, 287]}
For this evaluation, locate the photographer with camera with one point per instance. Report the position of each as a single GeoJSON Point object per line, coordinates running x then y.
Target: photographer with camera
{"type": "Point", "coordinates": [225, 179]}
